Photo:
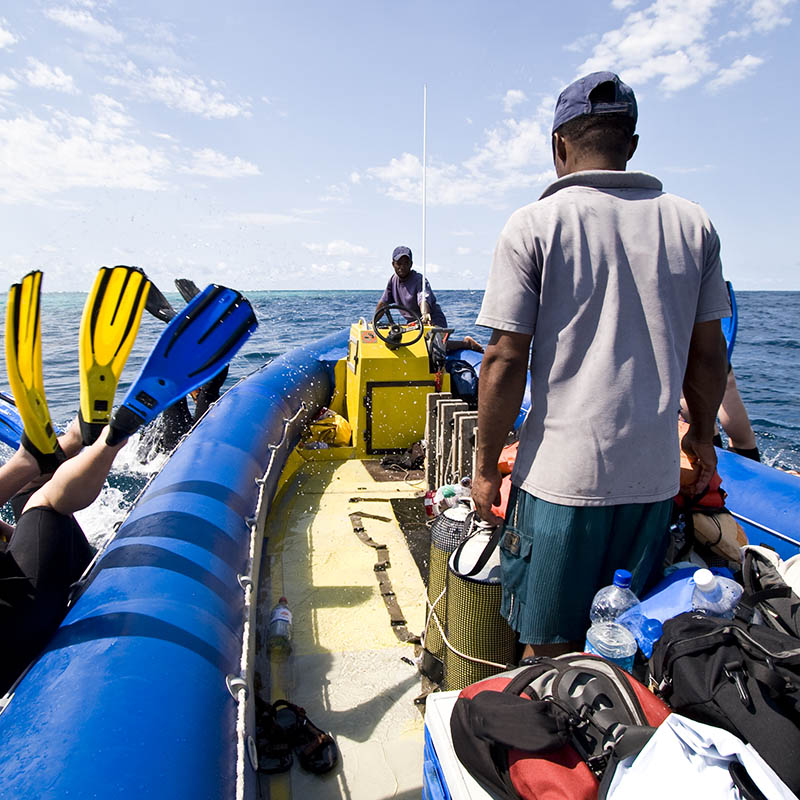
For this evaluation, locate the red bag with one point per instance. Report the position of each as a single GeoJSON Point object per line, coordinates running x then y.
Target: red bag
{"type": "Point", "coordinates": [555, 729]}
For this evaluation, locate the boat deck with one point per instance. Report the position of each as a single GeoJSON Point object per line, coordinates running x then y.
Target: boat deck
{"type": "Point", "coordinates": [348, 668]}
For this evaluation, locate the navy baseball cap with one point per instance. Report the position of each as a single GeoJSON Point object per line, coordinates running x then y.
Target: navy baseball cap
{"type": "Point", "coordinates": [401, 251]}
{"type": "Point", "coordinates": [575, 100]}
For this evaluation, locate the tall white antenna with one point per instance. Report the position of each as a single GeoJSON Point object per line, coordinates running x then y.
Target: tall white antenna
{"type": "Point", "coordinates": [424, 306]}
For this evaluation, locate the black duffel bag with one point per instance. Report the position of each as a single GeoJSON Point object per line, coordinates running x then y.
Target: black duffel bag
{"type": "Point", "coordinates": [742, 677]}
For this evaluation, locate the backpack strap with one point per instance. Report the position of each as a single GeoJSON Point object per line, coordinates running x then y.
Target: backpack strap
{"type": "Point", "coordinates": [746, 610]}
{"type": "Point", "coordinates": [513, 721]}
{"type": "Point", "coordinates": [744, 783]}
{"type": "Point", "coordinates": [631, 743]}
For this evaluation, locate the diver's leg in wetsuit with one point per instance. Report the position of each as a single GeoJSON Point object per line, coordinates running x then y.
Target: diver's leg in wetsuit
{"type": "Point", "coordinates": [209, 393]}
{"type": "Point", "coordinates": [46, 555]}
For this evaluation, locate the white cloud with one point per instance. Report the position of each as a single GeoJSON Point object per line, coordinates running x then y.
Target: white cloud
{"type": "Point", "coordinates": [739, 70]}
{"type": "Point", "coordinates": [463, 251]}
{"type": "Point", "coordinates": [42, 76]}
{"type": "Point", "coordinates": [452, 184]}
{"type": "Point", "coordinates": [336, 193]}
{"type": "Point", "coordinates": [515, 155]}
{"type": "Point", "coordinates": [513, 98]}
{"type": "Point", "coordinates": [338, 247]}
{"type": "Point", "coordinates": [182, 92]}
{"type": "Point", "coordinates": [355, 177]}
{"type": "Point", "coordinates": [581, 43]}
{"type": "Point", "coordinates": [156, 42]}
{"type": "Point", "coordinates": [264, 219]}
{"type": "Point", "coordinates": [7, 38]}
{"type": "Point", "coordinates": [43, 157]}
{"type": "Point", "coordinates": [7, 83]}
{"type": "Point", "coordinates": [516, 144]}
{"type": "Point", "coordinates": [665, 41]}
{"type": "Point", "coordinates": [768, 14]}
{"type": "Point", "coordinates": [213, 164]}
{"type": "Point", "coordinates": [622, 4]}
{"type": "Point", "coordinates": [85, 23]}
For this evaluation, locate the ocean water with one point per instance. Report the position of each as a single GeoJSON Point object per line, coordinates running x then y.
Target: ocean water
{"type": "Point", "coordinates": [766, 360]}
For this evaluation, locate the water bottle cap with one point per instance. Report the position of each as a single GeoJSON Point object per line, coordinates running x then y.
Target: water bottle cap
{"type": "Point", "coordinates": [652, 629]}
{"type": "Point", "coordinates": [704, 580]}
{"type": "Point", "coordinates": [622, 578]}
{"type": "Point", "coordinates": [283, 600]}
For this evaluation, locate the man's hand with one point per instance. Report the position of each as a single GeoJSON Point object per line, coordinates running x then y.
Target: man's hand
{"type": "Point", "coordinates": [703, 387]}
{"type": "Point", "coordinates": [703, 457]}
{"type": "Point", "coordinates": [485, 494]}
{"type": "Point", "coordinates": [500, 391]}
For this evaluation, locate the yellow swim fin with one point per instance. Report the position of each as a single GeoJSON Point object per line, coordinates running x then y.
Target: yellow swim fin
{"type": "Point", "coordinates": [24, 365]}
{"type": "Point", "coordinates": [109, 326]}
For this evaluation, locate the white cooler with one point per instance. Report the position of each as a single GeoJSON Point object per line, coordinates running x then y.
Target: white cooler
{"type": "Point", "coordinates": [444, 778]}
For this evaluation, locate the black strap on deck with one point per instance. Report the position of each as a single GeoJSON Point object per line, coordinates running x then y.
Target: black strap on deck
{"type": "Point", "coordinates": [381, 568]}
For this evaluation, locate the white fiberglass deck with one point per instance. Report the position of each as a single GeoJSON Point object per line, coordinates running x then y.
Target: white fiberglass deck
{"type": "Point", "coordinates": [347, 668]}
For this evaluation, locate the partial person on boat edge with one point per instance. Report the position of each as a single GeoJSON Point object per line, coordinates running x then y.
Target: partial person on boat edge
{"type": "Point", "coordinates": [619, 286]}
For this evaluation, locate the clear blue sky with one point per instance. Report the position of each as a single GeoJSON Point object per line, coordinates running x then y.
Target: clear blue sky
{"type": "Point", "coordinates": [278, 145]}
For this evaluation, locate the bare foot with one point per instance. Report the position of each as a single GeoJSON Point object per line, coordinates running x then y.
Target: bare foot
{"type": "Point", "coordinates": [472, 344]}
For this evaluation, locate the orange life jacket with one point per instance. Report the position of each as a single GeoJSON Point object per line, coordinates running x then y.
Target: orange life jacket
{"type": "Point", "coordinates": [712, 497]}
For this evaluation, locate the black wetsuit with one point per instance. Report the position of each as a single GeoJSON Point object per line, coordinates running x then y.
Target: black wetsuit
{"type": "Point", "coordinates": [177, 419]}
{"type": "Point", "coordinates": [46, 555]}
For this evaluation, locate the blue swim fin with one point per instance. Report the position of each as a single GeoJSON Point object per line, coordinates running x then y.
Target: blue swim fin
{"type": "Point", "coordinates": [730, 324]}
{"type": "Point", "coordinates": [194, 347]}
{"type": "Point", "coordinates": [11, 426]}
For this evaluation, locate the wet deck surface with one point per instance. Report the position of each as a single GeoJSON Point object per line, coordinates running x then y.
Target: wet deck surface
{"type": "Point", "coordinates": [348, 669]}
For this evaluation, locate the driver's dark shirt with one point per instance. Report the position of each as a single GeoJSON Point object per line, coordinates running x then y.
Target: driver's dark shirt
{"type": "Point", "coordinates": [408, 293]}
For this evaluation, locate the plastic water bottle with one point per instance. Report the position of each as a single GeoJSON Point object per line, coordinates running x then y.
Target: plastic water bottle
{"type": "Point", "coordinates": [613, 642]}
{"type": "Point", "coordinates": [611, 602]}
{"type": "Point", "coordinates": [715, 595]}
{"type": "Point", "coordinates": [279, 632]}
{"type": "Point", "coordinates": [645, 630]}
{"type": "Point", "coordinates": [450, 494]}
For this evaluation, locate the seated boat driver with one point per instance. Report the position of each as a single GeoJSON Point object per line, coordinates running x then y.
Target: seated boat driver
{"type": "Point", "coordinates": [405, 289]}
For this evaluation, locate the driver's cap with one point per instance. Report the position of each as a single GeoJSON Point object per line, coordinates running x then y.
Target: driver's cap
{"type": "Point", "coordinates": [401, 251]}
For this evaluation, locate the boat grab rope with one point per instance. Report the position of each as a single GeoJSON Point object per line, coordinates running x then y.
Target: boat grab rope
{"type": "Point", "coordinates": [435, 617]}
{"type": "Point", "coordinates": [238, 685]}
{"type": "Point", "coordinates": [380, 568]}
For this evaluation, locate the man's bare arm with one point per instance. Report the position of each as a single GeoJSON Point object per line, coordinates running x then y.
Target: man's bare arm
{"type": "Point", "coordinates": [500, 391]}
{"type": "Point", "coordinates": [703, 388]}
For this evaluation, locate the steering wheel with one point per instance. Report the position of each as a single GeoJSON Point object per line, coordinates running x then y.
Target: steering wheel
{"type": "Point", "coordinates": [394, 338]}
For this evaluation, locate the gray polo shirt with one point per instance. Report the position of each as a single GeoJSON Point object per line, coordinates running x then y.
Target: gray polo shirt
{"type": "Point", "coordinates": [610, 274]}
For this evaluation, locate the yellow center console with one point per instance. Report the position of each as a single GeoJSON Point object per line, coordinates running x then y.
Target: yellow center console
{"type": "Point", "coordinates": [386, 388]}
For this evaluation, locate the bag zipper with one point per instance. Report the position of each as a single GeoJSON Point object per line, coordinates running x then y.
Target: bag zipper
{"type": "Point", "coordinates": [689, 647]}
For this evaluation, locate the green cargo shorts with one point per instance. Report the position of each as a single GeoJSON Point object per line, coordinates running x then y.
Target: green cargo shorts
{"type": "Point", "coordinates": [555, 558]}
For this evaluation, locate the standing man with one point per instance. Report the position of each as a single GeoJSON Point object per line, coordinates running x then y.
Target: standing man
{"type": "Point", "coordinates": [619, 286]}
{"type": "Point", "coordinates": [405, 289]}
